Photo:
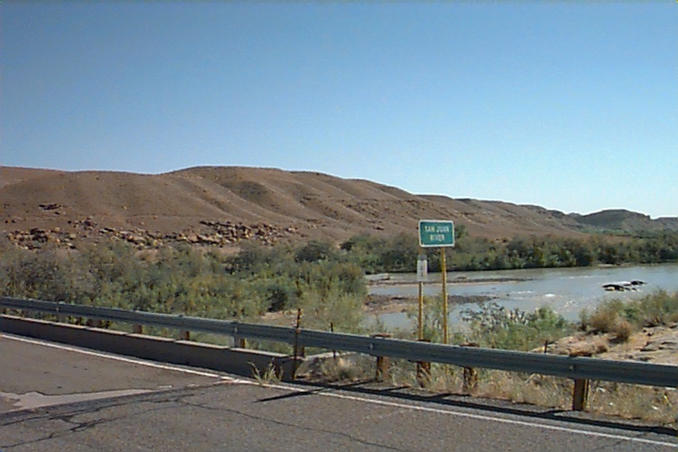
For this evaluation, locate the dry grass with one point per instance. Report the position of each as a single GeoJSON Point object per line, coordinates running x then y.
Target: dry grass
{"type": "Point", "coordinates": [616, 316]}
{"type": "Point", "coordinates": [341, 367]}
{"type": "Point", "coordinates": [657, 405]}
{"type": "Point", "coordinates": [603, 320]}
{"type": "Point", "coordinates": [623, 330]}
{"type": "Point", "coordinates": [533, 389]}
{"type": "Point", "coordinates": [268, 376]}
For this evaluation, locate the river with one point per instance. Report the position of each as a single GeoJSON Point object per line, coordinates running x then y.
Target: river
{"type": "Point", "coordinates": [566, 290]}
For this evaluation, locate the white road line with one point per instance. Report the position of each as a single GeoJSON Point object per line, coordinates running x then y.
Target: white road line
{"type": "Point", "coordinates": [470, 415]}
{"type": "Point", "coordinates": [123, 359]}
{"type": "Point", "coordinates": [350, 397]}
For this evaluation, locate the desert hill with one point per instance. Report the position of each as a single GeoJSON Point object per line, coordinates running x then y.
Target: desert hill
{"type": "Point", "coordinates": [222, 205]}
{"type": "Point", "coordinates": [624, 220]}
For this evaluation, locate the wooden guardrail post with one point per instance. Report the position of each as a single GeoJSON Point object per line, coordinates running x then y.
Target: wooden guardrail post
{"type": "Point", "coordinates": [424, 370]}
{"type": "Point", "coordinates": [137, 328]}
{"type": "Point", "coordinates": [470, 375]}
{"type": "Point", "coordinates": [238, 341]}
{"type": "Point", "coordinates": [186, 335]}
{"type": "Point", "coordinates": [60, 318]}
{"type": "Point", "coordinates": [580, 394]}
{"type": "Point", "coordinates": [470, 380]}
{"type": "Point", "coordinates": [334, 352]}
{"type": "Point", "coordinates": [299, 350]}
{"type": "Point", "coordinates": [383, 362]}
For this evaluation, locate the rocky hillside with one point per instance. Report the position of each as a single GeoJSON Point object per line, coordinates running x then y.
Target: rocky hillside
{"type": "Point", "coordinates": [225, 205]}
{"type": "Point", "coordinates": [626, 221]}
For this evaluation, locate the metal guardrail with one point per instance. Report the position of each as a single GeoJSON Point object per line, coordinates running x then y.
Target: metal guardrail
{"type": "Point", "coordinates": [562, 366]}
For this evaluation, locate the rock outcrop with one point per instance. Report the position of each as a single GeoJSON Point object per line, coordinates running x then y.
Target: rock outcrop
{"type": "Point", "coordinates": [657, 344]}
{"type": "Point", "coordinates": [209, 233]}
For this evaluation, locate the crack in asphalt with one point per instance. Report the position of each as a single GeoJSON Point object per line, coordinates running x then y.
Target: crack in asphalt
{"type": "Point", "coordinates": [84, 425]}
{"type": "Point", "coordinates": [88, 410]}
{"type": "Point", "coordinates": [287, 424]}
{"type": "Point", "coordinates": [169, 402]}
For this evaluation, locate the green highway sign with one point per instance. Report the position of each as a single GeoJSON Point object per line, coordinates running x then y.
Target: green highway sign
{"type": "Point", "coordinates": [436, 233]}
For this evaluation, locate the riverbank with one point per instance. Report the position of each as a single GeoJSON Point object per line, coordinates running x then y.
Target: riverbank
{"type": "Point", "coordinates": [407, 279]}
{"type": "Point", "coordinates": [388, 304]}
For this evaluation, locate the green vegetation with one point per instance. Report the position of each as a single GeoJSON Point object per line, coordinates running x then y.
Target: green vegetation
{"type": "Point", "coordinates": [257, 280]}
{"type": "Point", "coordinates": [495, 327]}
{"type": "Point", "coordinates": [399, 254]}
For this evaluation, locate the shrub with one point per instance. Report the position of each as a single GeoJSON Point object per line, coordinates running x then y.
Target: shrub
{"type": "Point", "coordinates": [496, 327]}
{"type": "Point", "coordinates": [659, 308]}
{"type": "Point", "coordinates": [314, 251]}
{"type": "Point", "coordinates": [603, 320]}
{"type": "Point", "coordinates": [623, 330]}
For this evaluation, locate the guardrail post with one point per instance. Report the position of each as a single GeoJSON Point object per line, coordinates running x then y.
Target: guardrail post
{"type": "Point", "coordinates": [470, 380]}
{"type": "Point", "coordinates": [137, 329]}
{"type": "Point", "coordinates": [383, 362]}
{"type": "Point", "coordinates": [186, 335]}
{"type": "Point", "coordinates": [470, 375]}
{"type": "Point", "coordinates": [580, 394]}
{"type": "Point", "coordinates": [424, 370]}
{"type": "Point", "coordinates": [334, 352]}
{"type": "Point", "coordinates": [299, 350]}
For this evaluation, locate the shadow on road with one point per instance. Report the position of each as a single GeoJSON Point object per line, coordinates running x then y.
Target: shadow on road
{"type": "Point", "coordinates": [370, 387]}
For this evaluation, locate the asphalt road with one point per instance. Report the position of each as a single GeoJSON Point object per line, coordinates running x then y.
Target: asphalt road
{"type": "Point", "coordinates": [56, 397]}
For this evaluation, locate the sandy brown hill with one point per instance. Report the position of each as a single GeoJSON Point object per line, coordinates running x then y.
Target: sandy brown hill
{"type": "Point", "coordinates": [12, 175]}
{"type": "Point", "coordinates": [624, 220]}
{"type": "Point", "coordinates": [309, 204]}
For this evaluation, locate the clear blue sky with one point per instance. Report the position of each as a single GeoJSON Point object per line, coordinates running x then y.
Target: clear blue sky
{"type": "Point", "coordinates": [572, 106]}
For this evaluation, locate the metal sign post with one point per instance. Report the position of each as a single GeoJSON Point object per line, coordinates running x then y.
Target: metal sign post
{"type": "Point", "coordinates": [438, 234]}
{"type": "Point", "coordinates": [443, 269]}
{"type": "Point", "coordinates": [422, 271]}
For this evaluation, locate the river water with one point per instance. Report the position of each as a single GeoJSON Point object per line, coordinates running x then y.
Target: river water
{"type": "Point", "coordinates": [566, 290]}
